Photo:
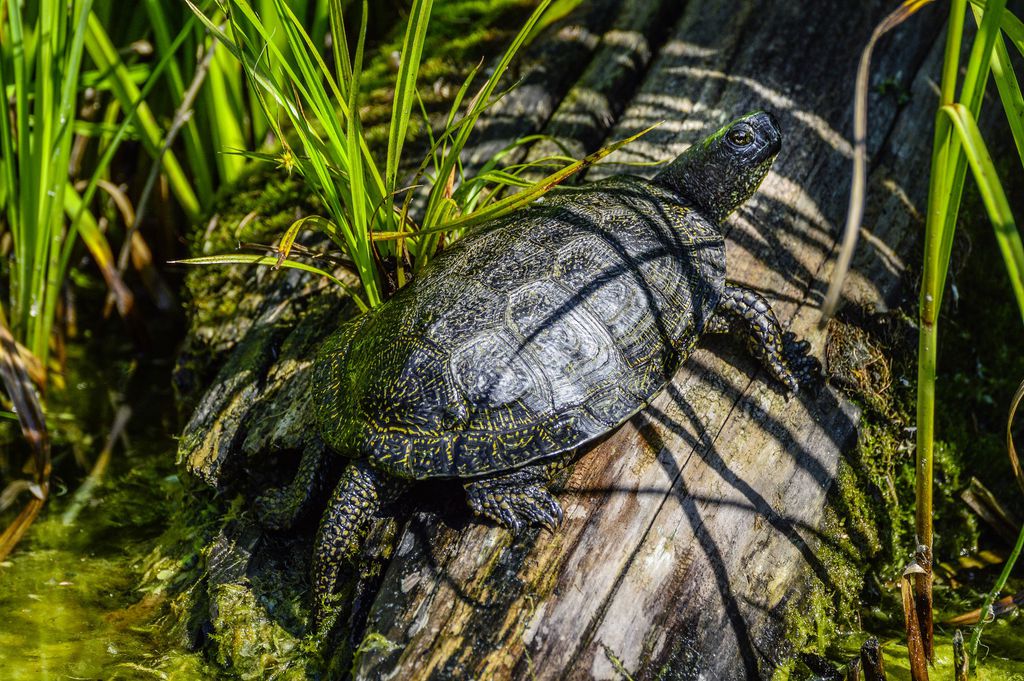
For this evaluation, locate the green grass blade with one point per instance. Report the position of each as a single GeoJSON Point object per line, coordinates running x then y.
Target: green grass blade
{"type": "Point", "coordinates": [19, 207]}
{"type": "Point", "coordinates": [971, 95]}
{"type": "Point", "coordinates": [459, 96]}
{"type": "Point", "coordinates": [482, 100]}
{"type": "Point", "coordinates": [975, 77]}
{"type": "Point", "coordinates": [258, 75]}
{"type": "Point", "coordinates": [435, 156]}
{"type": "Point", "coordinates": [265, 80]}
{"type": "Point", "coordinates": [272, 261]}
{"type": "Point", "coordinates": [7, 163]}
{"type": "Point", "coordinates": [1010, 24]}
{"type": "Point", "coordinates": [933, 280]}
{"type": "Point", "coordinates": [76, 217]}
{"type": "Point", "coordinates": [327, 114]}
{"type": "Point", "coordinates": [471, 192]}
{"type": "Point", "coordinates": [992, 195]}
{"type": "Point", "coordinates": [1009, 92]}
{"type": "Point", "coordinates": [19, 293]}
{"type": "Point", "coordinates": [361, 226]}
{"type": "Point", "coordinates": [520, 199]}
{"type": "Point", "coordinates": [99, 248]}
{"type": "Point", "coordinates": [81, 220]}
{"type": "Point", "coordinates": [314, 72]}
{"type": "Point", "coordinates": [405, 91]}
{"type": "Point", "coordinates": [105, 55]}
{"type": "Point", "coordinates": [100, 129]}
{"type": "Point", "coordinates": [226, 110]}
{"type": "Point", "coordinates": [284, 246]}
{"type": "Point", "coordinates": [198, 161]}
{"type": "Point", "coordinates": [339, 46]}
{"type": "Point", "coordinates": [58, 189]}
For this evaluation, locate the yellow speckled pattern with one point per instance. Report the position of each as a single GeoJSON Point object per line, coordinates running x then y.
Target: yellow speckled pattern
{"type": "Point", "coordinates": [516, 498]}
{"type": "Point", "coordinates": [342, 529]}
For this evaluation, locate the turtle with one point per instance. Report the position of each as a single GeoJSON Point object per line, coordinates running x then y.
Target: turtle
{"type": "Point", "coordinates": [535, 334]}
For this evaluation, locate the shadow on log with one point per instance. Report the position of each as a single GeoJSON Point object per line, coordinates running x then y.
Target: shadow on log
{"type": "Point", "coordinates": [692, 531]}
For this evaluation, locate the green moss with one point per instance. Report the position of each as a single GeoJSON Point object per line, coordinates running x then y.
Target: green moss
{"type": "Point", "coordinates": [372, 642]}
{"type": "Point", "coordinates": [784, 671]}
{"type": "Point", "coordinates": [617, 664]}
{"type": "Point", "coordinates": [90, 595]}
{"type": "Point", "coordinates": [993, 668]}
{"type": "Point", "coordinates": [250, 643]}
{"type": "Point", "coordinates": [867, 530]}
{"type": "Point", "coordinates": [460, 34]}
{"type": "Point", "coordinates": [810, 621]}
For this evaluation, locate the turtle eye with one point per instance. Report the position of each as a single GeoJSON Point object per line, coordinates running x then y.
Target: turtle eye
{"type": "Point", "coordinates": [741, 137]}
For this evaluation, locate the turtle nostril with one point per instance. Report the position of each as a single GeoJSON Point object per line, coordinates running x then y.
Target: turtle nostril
{"type": "Point", "coordinates": [773, 132]}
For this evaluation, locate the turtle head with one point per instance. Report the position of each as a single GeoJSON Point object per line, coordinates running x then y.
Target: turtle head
{"type": "Point", "coordinates": [723, 170]}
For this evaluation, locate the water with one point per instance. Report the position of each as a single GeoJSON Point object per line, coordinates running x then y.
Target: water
{"type": "Point", "coordinates": [69, 594]}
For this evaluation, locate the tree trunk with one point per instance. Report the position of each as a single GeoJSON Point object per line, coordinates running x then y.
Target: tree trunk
{"type": "Point", "coordinates": [690, 534]}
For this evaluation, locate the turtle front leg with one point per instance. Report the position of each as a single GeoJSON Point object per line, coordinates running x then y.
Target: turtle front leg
{"type": "Point", "coordinates": [747, 311]}
{"type": "Point", "coordinates": [515, 499]}
{"type": "Point", "coordinates": [343, 527]}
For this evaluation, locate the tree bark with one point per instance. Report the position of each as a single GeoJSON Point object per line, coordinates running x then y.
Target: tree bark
{"type": "Point", "coordinates": [690, 532]}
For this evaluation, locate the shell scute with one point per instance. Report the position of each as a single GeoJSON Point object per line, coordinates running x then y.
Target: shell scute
{"type": "Point", "coordinates": [571, 347]}
{"type": "Point", "coordinates": [492, 374]}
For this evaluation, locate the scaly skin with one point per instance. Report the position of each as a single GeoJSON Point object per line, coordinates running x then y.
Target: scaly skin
{"type": "Point", "coordinates": [516, 499]}
{"type": "Point", "coordinates": [278, 509]}
{"type": "Point", "coordinates": [343, 528]}
{"type": "Point", "coordinates": [745, 311]}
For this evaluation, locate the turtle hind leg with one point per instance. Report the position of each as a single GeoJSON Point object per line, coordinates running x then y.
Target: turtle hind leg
{"type": "Point", "coordinates": [746, 311]}
{"type": "Point", "coordinates": [343, 527]}
{"type": "Point", "coordinates": [278, 509]}
{"type": "Point", "coordinates": [515, 499]}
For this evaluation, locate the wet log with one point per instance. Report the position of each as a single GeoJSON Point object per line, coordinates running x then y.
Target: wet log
{"type": "Point", "coordinates": [690, 534]}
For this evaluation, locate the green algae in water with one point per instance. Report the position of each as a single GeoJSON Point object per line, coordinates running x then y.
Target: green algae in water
{"type": "Point", "coordinates": [73, 612]}
{"type": "Point", "coordinates": [1004, 661]}
{"type": "Point", "coordinates": [70, 594]}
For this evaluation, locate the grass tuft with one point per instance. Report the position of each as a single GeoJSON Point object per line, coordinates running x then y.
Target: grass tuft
{"type": "Point", "coordinates": [314, 113]}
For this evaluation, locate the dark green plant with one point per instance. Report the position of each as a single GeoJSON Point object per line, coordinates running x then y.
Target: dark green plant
{"type": "Point", "coordinates": [42, 71]}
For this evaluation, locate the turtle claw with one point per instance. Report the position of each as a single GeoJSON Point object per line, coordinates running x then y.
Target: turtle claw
{"type": "Point", "coordinates": [557, 508]}
{"type": "Point", "coordinates": [791, 345]}
{"type": "Point", "coordinates": [514, 507]}
{"type": "Point", "coordinates": [781, 353]}
{"type": "Point", "coordinates": [544, 510]}
{"type": "Point", "coordinates": [804, 369]}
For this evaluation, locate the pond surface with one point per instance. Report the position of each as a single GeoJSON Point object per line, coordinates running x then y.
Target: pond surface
{"type": "Point", "coordinates": [70, 598]}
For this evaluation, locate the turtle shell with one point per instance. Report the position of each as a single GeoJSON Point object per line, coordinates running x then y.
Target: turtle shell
{"type": "Point", "coordinates": [529, 337]}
